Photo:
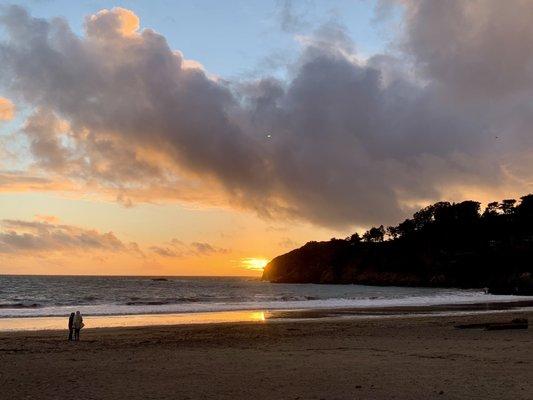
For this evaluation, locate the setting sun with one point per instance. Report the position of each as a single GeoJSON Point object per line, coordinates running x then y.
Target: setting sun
{"type": "Point", "coordinates": [255, 264]}
{"type": "Point", "coordinates": [293, 199]}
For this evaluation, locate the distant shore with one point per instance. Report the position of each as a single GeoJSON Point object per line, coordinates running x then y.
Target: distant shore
{"type": "Point", "coordinates": [413, 357]}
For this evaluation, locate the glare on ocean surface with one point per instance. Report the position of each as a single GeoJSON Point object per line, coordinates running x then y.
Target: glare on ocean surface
{"type": "Point", "coordinates": [255, 264]}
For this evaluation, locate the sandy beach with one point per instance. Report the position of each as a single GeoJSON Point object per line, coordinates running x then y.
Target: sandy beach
{"type": "Point", "coordinates": [342, 358]}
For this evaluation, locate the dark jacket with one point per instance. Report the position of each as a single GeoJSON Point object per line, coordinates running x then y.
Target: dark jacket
{"type": "Point", "coordinates": [70, 321]}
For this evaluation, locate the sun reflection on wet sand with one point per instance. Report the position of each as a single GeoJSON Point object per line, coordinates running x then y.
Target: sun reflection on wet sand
{"type": "Point", "coordinates": [114, 321]}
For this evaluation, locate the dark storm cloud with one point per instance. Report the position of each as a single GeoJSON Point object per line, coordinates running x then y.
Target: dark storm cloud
{"type": "Point", "coordinates": [341, 142]}
{"type": "Point", "coordinates": [473, 48]}
{"type": "Point", "coordinates": [44, 133]}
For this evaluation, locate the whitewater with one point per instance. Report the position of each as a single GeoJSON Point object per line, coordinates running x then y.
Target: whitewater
{"type": "Point", "coordinates": [46, 296]}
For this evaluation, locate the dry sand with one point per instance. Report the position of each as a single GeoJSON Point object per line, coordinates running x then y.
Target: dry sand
{"type": "Point", "coordinates": [394, 358]}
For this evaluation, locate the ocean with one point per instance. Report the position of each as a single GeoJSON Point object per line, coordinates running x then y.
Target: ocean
{"type": "Point", "coordinates": [47, 296]}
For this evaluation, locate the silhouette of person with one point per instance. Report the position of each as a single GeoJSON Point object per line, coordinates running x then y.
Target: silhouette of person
{"type": "Point", "coordinates": [70, 326]}
{"type": "Point", "coordinates": [78, 324]}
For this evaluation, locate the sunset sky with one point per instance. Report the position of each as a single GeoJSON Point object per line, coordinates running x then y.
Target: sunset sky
{"type": "Point", "coordinates": [206, 137]}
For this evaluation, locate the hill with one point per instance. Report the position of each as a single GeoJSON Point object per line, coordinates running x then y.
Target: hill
{"type": "Point", "coordinates": [443, 245]}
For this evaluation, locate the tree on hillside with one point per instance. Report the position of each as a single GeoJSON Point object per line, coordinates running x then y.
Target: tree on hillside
{"type": "Point", "coordinates": [507, 206]}
{"type": "Point", "coordinates": [526, 205]}
{"type": "Point", "coordinates": [393, 232]}
{"type": "Point", "coordinates": [374, 234]}
{"type": "Point", "coordinates": [406, 228]}
{"type": "Point", "coordinates": [491, 209]}
{"type": "Point", "coordinates": [466, 211]}
{"type": "Point", "coordinates": [355, 238]}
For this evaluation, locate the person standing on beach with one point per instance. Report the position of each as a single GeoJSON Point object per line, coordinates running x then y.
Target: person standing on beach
{"type": "Point", "coordinates": [70, 326]}
{"type": "Point", "coordinates": [78, 324]}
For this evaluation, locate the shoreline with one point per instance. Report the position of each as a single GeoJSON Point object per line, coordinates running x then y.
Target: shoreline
{"type": "Point", "coordinates": [55, 323]}
{"type": "Point", "coordinates": [408, 357]}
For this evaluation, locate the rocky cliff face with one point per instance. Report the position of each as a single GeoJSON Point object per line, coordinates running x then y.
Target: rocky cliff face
{"type": "Point", "coordinates": [387, 264]}
{"type": "Point", "coordinates": [451, 245]}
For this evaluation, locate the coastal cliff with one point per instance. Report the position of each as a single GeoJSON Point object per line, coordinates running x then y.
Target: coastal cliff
{"type": "Point", "coordinates": [443, 245]}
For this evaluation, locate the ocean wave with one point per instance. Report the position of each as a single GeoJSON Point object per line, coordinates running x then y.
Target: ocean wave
{"type": "Point", "coordinates": [196, 307]}
{"type": "Point", "coordinates": [19, 305]}
{"type": "Point", "coordinates": [140, 302]}
{"type": "Point", "coordinates": [59, 296]}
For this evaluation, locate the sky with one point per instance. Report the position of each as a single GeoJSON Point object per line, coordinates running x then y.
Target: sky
{"type": "Point", "coordinates": [207, 137]}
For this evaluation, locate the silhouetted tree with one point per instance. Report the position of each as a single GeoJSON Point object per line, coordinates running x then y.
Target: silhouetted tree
{"type": "Point", "coordinates": [393, 232]}
{"type": "Point", "coordinates": [374, 234]}
{"type": "Point", "coordinates": [526, 205]}
{"type": "Point", "coordinates": [491, 209]}
{"type": "Point", "coordinates": [441, 211]}
{"type": "Point", "coordinates": [423, 217]}
{"type": "Point", "coordinates": [507, 206]}
{"type": "Point", "coordinates": [406, 228]}
{"type": "Point", "coordinates": [467, 210]}
{"type": "Point", "coordinates": [355, 238]}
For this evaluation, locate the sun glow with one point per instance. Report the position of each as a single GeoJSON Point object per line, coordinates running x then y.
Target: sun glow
{"type": "Point", "coordinates": [254, 264]}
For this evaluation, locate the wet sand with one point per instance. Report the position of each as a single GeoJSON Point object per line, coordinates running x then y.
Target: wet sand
{"type": "Point", "coordinates": [336, 358]}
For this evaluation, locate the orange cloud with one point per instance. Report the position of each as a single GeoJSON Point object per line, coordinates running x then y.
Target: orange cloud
{"type": "Point", "coordinates": [7, 109]}
{"type": "Point", "coordinates": [178, 249]}
{"type": "Point", "coordinates": [117, 20]}
{"type": "Point", "coordinates": [63, 248]}
{"type": "Point", "coordinates": [19, 236]}
{"type": "Point", "coordinates": [16, 181]}
{"type": "Point", "coordinates": [51, 219]}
